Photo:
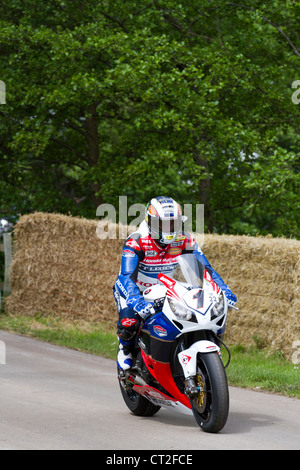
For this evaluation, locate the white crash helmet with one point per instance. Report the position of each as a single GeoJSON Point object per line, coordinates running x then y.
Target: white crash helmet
{"type": "Point", "coordinates": [164, 218]}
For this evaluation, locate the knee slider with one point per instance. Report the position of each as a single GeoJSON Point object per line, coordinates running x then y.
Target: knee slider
{"type": "Point", "coordinates": [127, 328]}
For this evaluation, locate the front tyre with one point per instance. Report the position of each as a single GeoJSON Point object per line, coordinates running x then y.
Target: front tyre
{"type": "Point", "coordinates": [211, 406]}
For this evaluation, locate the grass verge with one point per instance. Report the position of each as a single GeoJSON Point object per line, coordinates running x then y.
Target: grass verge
{"type": "Point", "coordinates": [249, 367]}
{"type": "Point", "coordinates": [258, 369]}
{"type": "Point", "coordinates": [93, 338]}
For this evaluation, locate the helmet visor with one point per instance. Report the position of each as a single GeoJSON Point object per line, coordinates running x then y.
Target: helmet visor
{"type": "Point", "coordinates": [165, 226]}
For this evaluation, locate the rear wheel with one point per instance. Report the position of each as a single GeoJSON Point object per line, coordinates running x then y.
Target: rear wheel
{"type": "Point", "coordinates": [136, 403]}
{"type": "Point", "coordinates": [211, 406]}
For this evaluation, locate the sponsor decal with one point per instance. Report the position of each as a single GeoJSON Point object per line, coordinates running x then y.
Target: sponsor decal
{"type": "Point", "coordinates": [198, 297]}
{"type": "Point", "coordinates": [152, 210]}
{"type": "Point", "coordinates": [192, 241]}
{"type": "Point", "coordinates": [117, 298]}
{"type": "Point", "coordinates": [167, 281]}
{"type": "Point", "coordinates": [121, 287]}
{"type": "Point", "coordinates": [208, 279]}
{"type": "Point", "coordinates": [146, 241]}
{"type": "Point", "coordinates": [155, 396]}
{"type": "Point", "coordinates": [128, 254]}
{"type": "Point", "coordinates": [160, 331]}
{"type": "Point", "coordinates": [133, 243]}
{"type": "Point", "coordinates": [157, 269]}
{"type": "Point", "coordinates": [159, 262]}
{"type": "Point", "coordinates": [145, 284]}
{"type": "Point", "coordinates": [176, 243]}
{"type": "Point", "coordinates": [162, 253]}
{"type": "Point", "coordinates": [174, 251]}
{"type": "Point", "coordinates": [129, 322]}
{"type": "Point", "coordinates": [150, 253]}
{"type": "Point", "coordinates": [185, 359]}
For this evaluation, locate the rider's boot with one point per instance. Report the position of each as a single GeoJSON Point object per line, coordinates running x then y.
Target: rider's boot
{"type": "Point", "coordinates": [124, 358]}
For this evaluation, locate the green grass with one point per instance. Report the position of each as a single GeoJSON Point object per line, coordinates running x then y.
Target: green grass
{"type": "Point", "coordinates": [249, 367]}
{"type": "Point", "coordinates": [257, 369]}
{"type": "Point", "coordinates": [93, 338]}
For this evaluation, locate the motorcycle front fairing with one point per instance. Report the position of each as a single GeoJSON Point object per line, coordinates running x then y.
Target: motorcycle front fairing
{"type": "Point", "coordinates": [156, 342]}
{"type": "Point", "coordinates": [187, 308]}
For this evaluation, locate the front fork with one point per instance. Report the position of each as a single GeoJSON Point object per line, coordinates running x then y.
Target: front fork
{"type": "Point", "coordinates": [188, 361]}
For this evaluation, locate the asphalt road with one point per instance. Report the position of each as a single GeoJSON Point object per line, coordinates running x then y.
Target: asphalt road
{"type": "Point", "coordinates": [58, 399]}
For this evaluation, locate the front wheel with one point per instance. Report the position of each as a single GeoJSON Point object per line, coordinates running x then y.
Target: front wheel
{"type": "Point", "coordinates": [211, 405]}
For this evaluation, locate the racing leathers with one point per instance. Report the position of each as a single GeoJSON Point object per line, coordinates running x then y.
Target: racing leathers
{"type": "Point", "coordinates": [142, 260]}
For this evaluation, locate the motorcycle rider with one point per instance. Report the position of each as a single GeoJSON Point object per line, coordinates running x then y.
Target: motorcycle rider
{"type": "Point", "coordinates": [153, 249]}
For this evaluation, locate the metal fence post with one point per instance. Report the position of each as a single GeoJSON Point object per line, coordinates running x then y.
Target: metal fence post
{"type": "Point", "coordinates": [7, 242]}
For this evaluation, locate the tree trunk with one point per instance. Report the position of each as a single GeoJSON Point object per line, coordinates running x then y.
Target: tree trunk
{"type": "Point", "coordinates": [92, 138]}
{"type": "Point", "coordinates": [204, 191]}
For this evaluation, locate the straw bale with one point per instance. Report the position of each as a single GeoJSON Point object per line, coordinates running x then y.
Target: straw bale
{"type": "Point", "coordinates": [61, 266]}
{"type": "Point", "coordinates": [264, 273]}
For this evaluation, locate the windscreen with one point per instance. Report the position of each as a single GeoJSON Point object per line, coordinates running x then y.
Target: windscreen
{"type": "Point", "coordinates": [189, 270]}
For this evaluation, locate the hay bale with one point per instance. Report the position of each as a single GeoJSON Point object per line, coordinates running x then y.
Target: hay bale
{"type": "Point", "coordinates": [264, 273]}
{"type": "Point", "coordinates": [61, 266]}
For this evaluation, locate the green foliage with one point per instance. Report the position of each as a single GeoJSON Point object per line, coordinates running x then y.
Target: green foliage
{"type": "Point", "coordinates": [142, 98]}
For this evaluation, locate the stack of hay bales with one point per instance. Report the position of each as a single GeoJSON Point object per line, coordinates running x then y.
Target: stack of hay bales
{"type": "Point", "coordinates": [62, 267]}
{"type": "Point", "coordinates": [264, 274]}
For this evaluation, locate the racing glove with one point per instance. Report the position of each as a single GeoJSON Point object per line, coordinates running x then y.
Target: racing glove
{"type": "Point", "coordinates": [231, 298]}
{"type": "Point", "coordinates": [140, 306]}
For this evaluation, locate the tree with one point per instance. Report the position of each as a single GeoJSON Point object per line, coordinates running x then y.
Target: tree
{"type": "Point", "coordinates": [191, 99]}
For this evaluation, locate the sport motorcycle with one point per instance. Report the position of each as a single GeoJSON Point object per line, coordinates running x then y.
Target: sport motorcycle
{"type": "Point", "coordinates": [177, 361]}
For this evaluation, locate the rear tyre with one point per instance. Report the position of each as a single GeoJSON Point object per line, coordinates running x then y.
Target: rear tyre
{"type": "Point", "coordinates": [136, 403]}
{"type": "Point", "coordinates": [211, 406]}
